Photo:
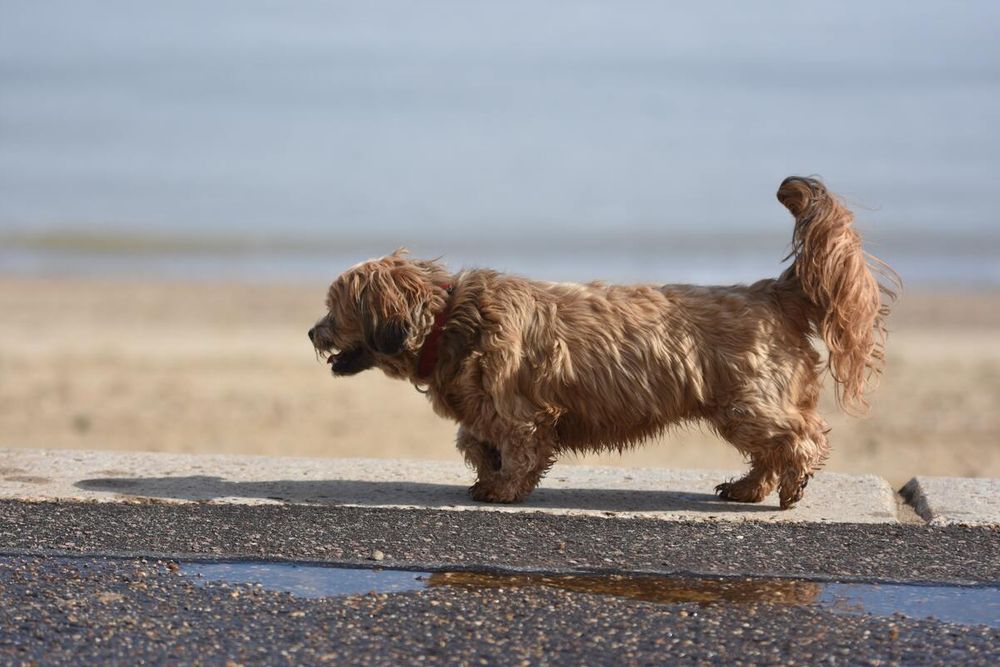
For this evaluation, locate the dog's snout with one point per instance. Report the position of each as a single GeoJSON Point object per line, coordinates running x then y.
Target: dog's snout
{"type": "Point", "coordinates": [312, 334]}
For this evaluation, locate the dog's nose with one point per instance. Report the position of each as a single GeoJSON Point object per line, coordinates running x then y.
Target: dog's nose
{"type": "Point", "coordinates": [312, 334]}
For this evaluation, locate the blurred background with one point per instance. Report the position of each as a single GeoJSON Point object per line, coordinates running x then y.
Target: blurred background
{"type": "Point", "coordinates": [179, 182]}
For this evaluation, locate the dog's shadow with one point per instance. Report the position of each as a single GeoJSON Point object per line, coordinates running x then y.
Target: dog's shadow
{"type": "Point", "coordinates": [372, 493]}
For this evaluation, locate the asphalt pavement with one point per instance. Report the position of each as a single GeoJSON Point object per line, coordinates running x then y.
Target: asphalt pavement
{"type": "Point", "coordinates": [441, 539]}
{"type": "Point", "coordinates": [105, 583]}
{"type": "Point", "coordinates": [112, 611]}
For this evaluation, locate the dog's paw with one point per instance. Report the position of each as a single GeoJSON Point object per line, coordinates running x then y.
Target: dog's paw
{"type": "Point", "coordinates": [788, 501]}
{"type": "Point", "coordinates": [491, 494]}
{"type": "Point", "coordinates": [791, 490]}
{"type": "Point", "coordinates": [741, 492]}
{"type": "Point", "coordinates": [725, 490]}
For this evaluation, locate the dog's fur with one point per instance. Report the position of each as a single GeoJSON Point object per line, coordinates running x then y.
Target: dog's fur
{"type": "Point", "coordinates": [530, 369]}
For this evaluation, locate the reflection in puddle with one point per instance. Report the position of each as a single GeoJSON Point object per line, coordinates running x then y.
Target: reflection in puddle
{"type": "Point", "coordinates": [308, 581]}
{"type": "Point", "coordinates": [970, 605]}
{"type": "Point", "coordinates": [664, 590]}
{"type": "Point", "coordinates": [967, 605]}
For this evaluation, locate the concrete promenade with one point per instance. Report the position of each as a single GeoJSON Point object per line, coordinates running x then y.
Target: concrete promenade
{"type": "Point", "coordinates": [673, 495]}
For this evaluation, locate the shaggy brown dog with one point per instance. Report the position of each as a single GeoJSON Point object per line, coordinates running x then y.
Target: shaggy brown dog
{"type": "Point", "coordinates": [530, 369]}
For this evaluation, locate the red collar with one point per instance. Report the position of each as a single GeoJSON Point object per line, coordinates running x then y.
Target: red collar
{"type": "Point", "coordinates": [428, 357]}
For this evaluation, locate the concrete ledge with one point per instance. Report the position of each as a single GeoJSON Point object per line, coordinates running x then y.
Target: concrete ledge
{"type": "Point", "coordinates": [28, 474]}
{"type": "Point", "coordinates": [955, 500]}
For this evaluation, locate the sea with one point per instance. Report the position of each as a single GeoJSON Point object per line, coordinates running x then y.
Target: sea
{"type": "Point", "coordinates": [266, 140]}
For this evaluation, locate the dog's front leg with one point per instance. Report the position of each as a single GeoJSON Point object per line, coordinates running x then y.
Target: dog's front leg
{"type": "Point", "coordinates": [512, 467]}
{"type": "Point", "coordinates": [480, 454]}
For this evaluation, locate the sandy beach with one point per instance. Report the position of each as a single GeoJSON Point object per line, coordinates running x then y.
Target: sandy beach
{"type": "Point", "coordinates": [214, 368]}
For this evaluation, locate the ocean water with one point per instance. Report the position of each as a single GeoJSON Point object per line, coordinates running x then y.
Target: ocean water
{"type": "Point", "coordinates": [567, 139]}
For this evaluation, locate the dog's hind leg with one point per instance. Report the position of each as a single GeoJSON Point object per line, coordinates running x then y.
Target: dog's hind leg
{"type": "Point", "coordinates": [743, 432]}
{"type": "Point", "coordinates": [802, 443]}
{"type": "Point", "coordinates": [784, 451]}
{"type": "Point", "coordinates": [803, 454]}
{"type": "Point", "coordinates": [752, 487]}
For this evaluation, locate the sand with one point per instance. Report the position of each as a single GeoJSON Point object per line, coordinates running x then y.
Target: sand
{"type": "Point", "coordinates": [221, 368]}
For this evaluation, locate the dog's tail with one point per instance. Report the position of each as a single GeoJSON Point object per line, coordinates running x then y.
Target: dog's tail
{"type": "Point", "coordinates": [843, 283]}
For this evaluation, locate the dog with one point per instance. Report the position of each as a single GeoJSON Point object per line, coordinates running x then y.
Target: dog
{"type": "Point", "coordinates": [531, 369]}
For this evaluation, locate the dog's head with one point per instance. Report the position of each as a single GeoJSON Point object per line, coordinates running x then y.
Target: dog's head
{"type": "Point", "coordinates": [379, 314]}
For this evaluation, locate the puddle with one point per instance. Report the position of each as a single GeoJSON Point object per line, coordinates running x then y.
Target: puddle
{"type": "Point", "coordinates": [309, 581]}
{"type": "Point", "coordinates": [968, 605]}
{"type": "Point", "coordinates": [663, 590]}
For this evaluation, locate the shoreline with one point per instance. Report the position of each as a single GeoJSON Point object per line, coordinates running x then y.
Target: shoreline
{"type": "Point", "coordinates": [926, 261]}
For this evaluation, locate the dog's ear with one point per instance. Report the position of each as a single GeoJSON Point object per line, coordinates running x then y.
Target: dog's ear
{"type": "Point", "coordinates": [389, 299]}
{"type": "Point", "coordinates": [388, 337]}
{"type": "Point", "coordinates": [393, 296]}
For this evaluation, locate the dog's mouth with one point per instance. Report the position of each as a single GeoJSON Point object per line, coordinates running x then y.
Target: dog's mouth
{"type": "Point", "coordinates": [351, 360]}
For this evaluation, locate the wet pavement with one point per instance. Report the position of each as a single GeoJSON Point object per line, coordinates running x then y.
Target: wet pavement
{"type": "Point", "coordinates": [968, 605]}
{"type": "Point", "coordinates": [494, 588]}
{"type": "Point", "coordinates": [84, 610]}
